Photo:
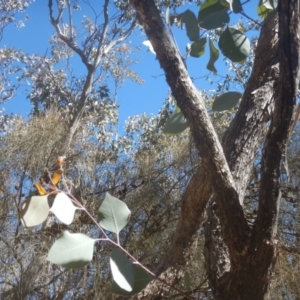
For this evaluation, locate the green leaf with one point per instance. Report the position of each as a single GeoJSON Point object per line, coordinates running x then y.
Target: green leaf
{"type": "Point", "coordinates": [234, 45]}
{"type": "Point", "coordinates": [197, 48]}
{"type": "Point", "coordinates": [215, 20]}
{"type": "Point", "coordinates": [213, 14]}
{"type": "Point", "coordinates": [226, 101]}
{"type": "Point", "coordinates": [72, 250]}
{"type": "Point", "coordinates": [175, 124]}
{"type": "Point", "coordinates": [214, 55]}
{"type": "Point", "coordinates": [191, 24]}
{"type": "Point", "coordinates": [267, 8]}
{"type": "Point", "coordinates": [113, 214]}
{"type": "Point", "coordinates": [141, 280]}
{"type": "Point", "coordinates": [63, 208]}
{"type": "Point", "coordinates": [122, 270]}
{"type": "Point", "coordinates": [235, 6]}
{"type": "Point", "coordinates": [34, 210]}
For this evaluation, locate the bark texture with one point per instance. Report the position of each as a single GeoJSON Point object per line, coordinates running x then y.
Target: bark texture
{"type": "Point", "coordinates": [239, 258]}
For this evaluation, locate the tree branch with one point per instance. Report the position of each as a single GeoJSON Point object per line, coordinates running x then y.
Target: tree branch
{"type": "Point", "coordinates": [285, 94]}
{"type": "Point", "coordinates": [236, 229]}
{"type": "Point", "coordinates": [122, 38]}
{"type": "Point", "coordinates": [240, 143]}
{"type": "Point", "coordinates": [247, 128]}
{"type": "Point", "coordinates": [68, 40]}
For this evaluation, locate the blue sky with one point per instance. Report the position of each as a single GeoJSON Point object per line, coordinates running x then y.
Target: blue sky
{"type": "Point", "coordinates": [132, 98]}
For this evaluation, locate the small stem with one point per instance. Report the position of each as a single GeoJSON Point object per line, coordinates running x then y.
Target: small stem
{"type": "Point", "coordinates": [91, 217]}
{"type": "Point", "coordinates": [254, 21]}
{"type": "Point", "coordinates": [118, 245]}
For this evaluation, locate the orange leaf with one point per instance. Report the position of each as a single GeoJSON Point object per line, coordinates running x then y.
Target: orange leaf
{"type": "Point", "coordinates": [56, 176]}
{"type": "Point", "coordinates": [40, 189]}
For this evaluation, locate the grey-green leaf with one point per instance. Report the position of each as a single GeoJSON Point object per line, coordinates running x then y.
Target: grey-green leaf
{"type": "Point", "coordinates": [214, 55]}
{"type": "Point", "coordinates": [215, 20]}
{"type": "Point", "coordinates": [141, 280]}
{"type": "Point", "coordinates": [234, 45]}
{"type": "Point", "coordinates": [175, 124]}
{"type": "Point", "coordinates": [72, 250]}
{"type": "Point", "coordinates": [213, 14]}
{"type": "Point", "coordinates": [226, 101]}
{"type": "Point", "coordinates": [198, 47]}
{"type": "Point", "coordinates": [267, 8]}
{"type": "Point", "coordinates": [113, 214]}
{"type": "Point", "coordinates": [122, 270]}
{"type": "Point", "coordinates": [63, 208]}
{"type": "Point", "coordinates": [191, 24]}
{"type": "Point", "coordinates": [34, 210]}
{"type": "Point", "coordinates": [235, 6]}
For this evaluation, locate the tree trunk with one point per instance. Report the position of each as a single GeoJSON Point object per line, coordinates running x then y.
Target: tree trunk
{"type": "Point", "coordinates": [239, 258]}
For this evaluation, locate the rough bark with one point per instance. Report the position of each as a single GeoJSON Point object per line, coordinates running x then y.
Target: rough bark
{"type": "Point", "coordinates": [192, 105]}
{"type": "Point", "coordinates": [285, 94]}
{"type": "Point", "coordinates": [245, 274]}
{"type": "Point", "coordinates": [240, 143]}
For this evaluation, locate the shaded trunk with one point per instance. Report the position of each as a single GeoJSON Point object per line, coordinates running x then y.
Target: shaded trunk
{"type": "Point", "coordinates": [249, 279]}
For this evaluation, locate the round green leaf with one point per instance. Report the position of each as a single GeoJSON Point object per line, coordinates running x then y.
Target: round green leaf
{"type": "Point", "coordinates": [215, 20]}
{"type": "Point", "coordinates": [141, 280]}
{"type": "Point", "coordinates": [214, 55]}
{"type": "Point", "coordinates": [122, 270]}
{"type": "Point", "coordinates": [72, 250]}
{"type": "Point", "coordinates": [197, 48]}
{"type": "Point", "coordinates": [226, 101]}
{"type": "Point", "coordinates": [213, 14]}
{"type": "Point", "coordinates": [191, 24]}
{"type": "Point", "coordinates": [63, 208]}
{"type": "Point", "coordinates": [113, 214]}
{"type": "Point", "coordinates": [175, 124]}
{"type": "Point", "coordinates": [234, 45]}
{"type": "Point", "coordinates": [34, 210]}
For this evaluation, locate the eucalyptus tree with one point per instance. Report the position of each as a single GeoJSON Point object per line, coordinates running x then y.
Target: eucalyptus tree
{"type": "Point", "coordinates": [239, 256]}
{"type": "Point", "coordinates": [72, 114]}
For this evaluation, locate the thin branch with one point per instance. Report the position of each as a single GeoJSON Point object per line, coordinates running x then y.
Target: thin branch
{"type": "Point", "coordinates": [117, 244]}
{"type": "Point", "coordinates": [70, 20]}
{"type": "Point", "coordinates": [122, 38]}
{"type": "Point", "coordinates": [254, 21]}
{"type": "Point", "coordinates": [105, 25]}
{"type": "Point", "coordinates": [68, 40]}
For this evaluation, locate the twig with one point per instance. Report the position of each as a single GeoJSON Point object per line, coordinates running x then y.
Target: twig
{"type": "Point", "coordinates": [254, 21]}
